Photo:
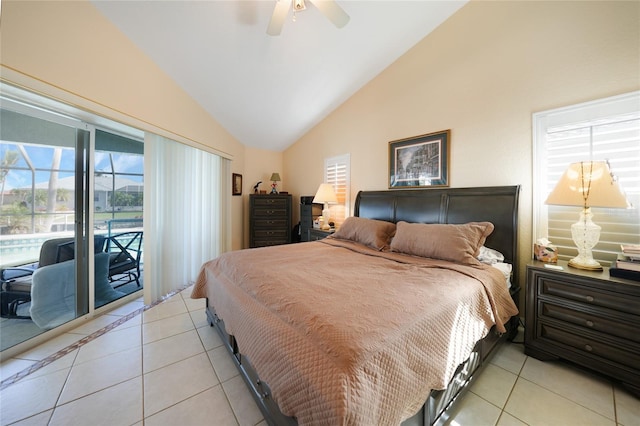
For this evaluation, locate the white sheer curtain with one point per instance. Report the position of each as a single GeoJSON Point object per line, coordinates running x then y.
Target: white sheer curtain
{"type": "Point", "coordinates": [186, 213]}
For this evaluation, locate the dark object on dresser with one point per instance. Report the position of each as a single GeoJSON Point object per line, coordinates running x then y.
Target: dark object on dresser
{"type": "Point", "coordinates": [269, 219]}
{"type": "Point", "coordinates": [308, 213]}
{"type": "Point", "coordinates": [625, 273]}
{"type": "Point", "coordinates": [584, 317]}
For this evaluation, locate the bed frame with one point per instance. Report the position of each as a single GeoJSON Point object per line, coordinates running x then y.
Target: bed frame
{"type": "Point", "coordinates": [498, 205]}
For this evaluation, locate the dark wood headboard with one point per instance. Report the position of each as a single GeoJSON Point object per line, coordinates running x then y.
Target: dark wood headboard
{"type": "Point", "coordinates": [495, 204]}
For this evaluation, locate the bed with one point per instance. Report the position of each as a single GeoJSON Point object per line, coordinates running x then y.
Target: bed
{"type": "Point", "coordinates": [385, 322]}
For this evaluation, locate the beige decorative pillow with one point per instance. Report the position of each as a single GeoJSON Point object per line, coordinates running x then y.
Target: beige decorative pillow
{"type": "Point", "coordinates": [455, 243]}
{"type": "Point", "coordinates": [370, 232]}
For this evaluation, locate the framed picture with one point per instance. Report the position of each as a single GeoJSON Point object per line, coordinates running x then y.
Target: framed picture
{"type": "Point", "coordinates": [236, 184]}
{"type": "Point", "coordinates": [420, 161]}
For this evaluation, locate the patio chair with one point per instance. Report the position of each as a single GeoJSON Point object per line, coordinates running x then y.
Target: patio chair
{"type": "Point", "coordinates": [126, 253]}
{"type": "Point", "coordinates": [124, 250]}
{"type": "Point", "coordinates": [53, 291]}
{"type": "Point", "coordinates": [16, 281]}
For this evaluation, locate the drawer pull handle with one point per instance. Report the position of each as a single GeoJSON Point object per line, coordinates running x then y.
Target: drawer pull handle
{"type": "Point", "coordinates": [590, 299]}
{"type": "Point", "coordinates": [589, 323]}
{"type": "Point", "coordinates": [588, 348]}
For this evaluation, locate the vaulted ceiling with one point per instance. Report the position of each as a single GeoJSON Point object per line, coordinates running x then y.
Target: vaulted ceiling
{"type": "Point", "coordinates": [268, 91]}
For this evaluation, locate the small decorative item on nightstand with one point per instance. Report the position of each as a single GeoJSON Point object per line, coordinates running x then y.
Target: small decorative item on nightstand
{"type": "Point", "coordinates": [544, 251]}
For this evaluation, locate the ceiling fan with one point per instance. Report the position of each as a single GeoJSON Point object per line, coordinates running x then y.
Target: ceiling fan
{"type": "Point", "coordinates": [328, 8]}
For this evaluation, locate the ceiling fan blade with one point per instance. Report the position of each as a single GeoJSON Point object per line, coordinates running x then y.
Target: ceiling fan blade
{"type": "Point", "coordinates": [332, 11]}
{"type": "Point", "coordinates": [279, 15]}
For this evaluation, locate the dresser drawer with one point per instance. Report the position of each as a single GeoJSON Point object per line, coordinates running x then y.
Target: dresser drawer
{"type": "Point", "coordinates": [609, 322]}
{"type": "Point", "coordinates": [274, 212]}
{"type": "Point", "coordinates": [271, 234]}
{"type": "Point", "coordinates": [588, 295]}
{"type": "Point", "coordinates": [280, 224]}
{"type": "Point", "coordinates": [269, 242]}
{"type": "Point", "coordinates": [609, 349]}
{"type": "Point", "coordinates": [268, 202]}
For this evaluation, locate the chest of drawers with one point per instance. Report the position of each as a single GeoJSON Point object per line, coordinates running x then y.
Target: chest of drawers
{"type": "Point", "coordinates": [585, 317]}
{"type": "Point", "coordinates": [269, 219]}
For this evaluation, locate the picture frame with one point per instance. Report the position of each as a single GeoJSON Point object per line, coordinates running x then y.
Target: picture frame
{"type": "Point", "coordinates": [420, 161]}
{"type": "Point", "coordinates": [236, 184]}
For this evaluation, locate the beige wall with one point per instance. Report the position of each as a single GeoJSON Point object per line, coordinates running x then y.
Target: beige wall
{"type": "Point", "coordinates": [69, 51]}
{"type": "Point", "coordinates": [481, 74]}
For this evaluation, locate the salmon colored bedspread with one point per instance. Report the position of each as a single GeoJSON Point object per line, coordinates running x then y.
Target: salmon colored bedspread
{"type": "Point", "coordinates": [346, 335]}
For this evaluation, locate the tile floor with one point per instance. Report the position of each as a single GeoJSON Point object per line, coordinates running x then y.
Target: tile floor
{"type": "Point", "coordinates": [168, 367]}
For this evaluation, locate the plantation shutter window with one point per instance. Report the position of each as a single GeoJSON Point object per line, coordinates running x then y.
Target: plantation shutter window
{"type": "Point", "coordinates": [604, 130]}
{"type": "Point", "coordinates": [337, 173]}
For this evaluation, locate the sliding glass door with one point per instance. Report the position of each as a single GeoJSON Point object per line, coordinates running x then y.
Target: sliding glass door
{"type": "Point", "coordinates": [118, 195]}
{"type": "Point", "coordinates": [71, 214]}
{"type": "Point", "coordinates": [43, 221]}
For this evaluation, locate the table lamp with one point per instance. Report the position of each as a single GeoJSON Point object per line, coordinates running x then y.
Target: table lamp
{"type": "Point", "coordinates": [325, 194]}
{"type": "Point", "coordinates": [587, 184]}
{"type": "Point", "coordinates": [275, 178]}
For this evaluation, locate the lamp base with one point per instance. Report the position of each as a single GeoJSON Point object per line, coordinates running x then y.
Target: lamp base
{"type": "Point", "coordinates": [325, 214]}
{"type": "Point", "coordinates": [588, 266]}
{"type": "Point", "coordinates": [585, 235]}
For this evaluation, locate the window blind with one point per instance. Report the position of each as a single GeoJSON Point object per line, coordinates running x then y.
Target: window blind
{"type": "Point", "coordinates": [189, 192]}
{"type": "Point", "coordinates": [593, 132]}
{"type": "Point", "coordinates": [337, 173]}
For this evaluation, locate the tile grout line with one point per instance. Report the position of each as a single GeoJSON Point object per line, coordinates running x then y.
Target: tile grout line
{"type": "Point", "coordinates": [65, 351]}
{"type": "Point", "coordinates": [51, 358]}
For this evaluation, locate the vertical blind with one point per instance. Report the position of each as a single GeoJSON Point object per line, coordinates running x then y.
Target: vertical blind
{"type": "Point", "coordinates": [337, 173]}
{"type": "Point", "coordinates": [186, 213]}
{"type": "Point", "coordinates": [604, 133]}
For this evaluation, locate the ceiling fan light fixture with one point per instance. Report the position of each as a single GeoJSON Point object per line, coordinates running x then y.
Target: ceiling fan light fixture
{"type": "Point", "coordinates": [329, 8]}
{"type": "Point", "coordinates": [298, 5]}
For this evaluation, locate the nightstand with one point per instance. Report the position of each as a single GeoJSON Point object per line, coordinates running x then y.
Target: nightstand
{"type": "Point", "coordinates": [585, 317]}
{"type": "Point", "coordinates": [318, 234]}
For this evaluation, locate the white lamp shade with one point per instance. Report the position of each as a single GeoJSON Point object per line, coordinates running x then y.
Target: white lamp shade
{"type": "Point", "coordinates": [588, 184]}
{"type": "Point", "coordinates": [325, 194]}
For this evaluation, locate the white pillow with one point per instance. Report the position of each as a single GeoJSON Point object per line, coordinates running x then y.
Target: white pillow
{"type": "Point", "coordinates": [490, 256]}
{"type": "Point", "coordinates": [505, 268]}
